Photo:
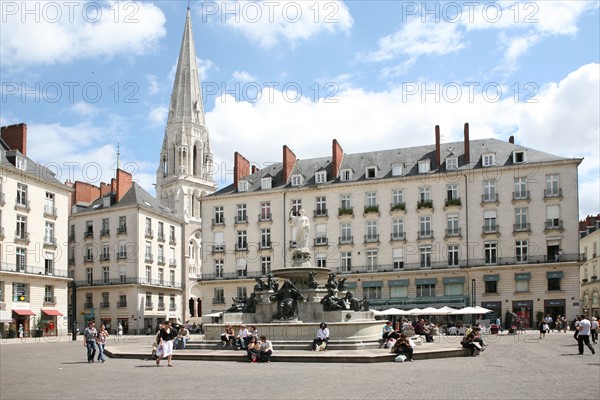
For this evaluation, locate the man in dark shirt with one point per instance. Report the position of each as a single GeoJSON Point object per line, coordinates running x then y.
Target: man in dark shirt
{"type": "Point", "coordinates": [89, 340]}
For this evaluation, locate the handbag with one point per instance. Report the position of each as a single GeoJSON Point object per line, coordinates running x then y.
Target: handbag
{"type": "Point", "coordinates": [400, 358]}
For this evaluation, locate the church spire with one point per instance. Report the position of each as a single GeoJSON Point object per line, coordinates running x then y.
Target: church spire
{"type": "Point", "coordinates": [186, 99]}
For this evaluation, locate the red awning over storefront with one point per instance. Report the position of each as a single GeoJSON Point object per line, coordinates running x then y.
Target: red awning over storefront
{"type": "Point", "coordinates": [52, 312]}
{"type": "Point", "coordinates": [24, 312]}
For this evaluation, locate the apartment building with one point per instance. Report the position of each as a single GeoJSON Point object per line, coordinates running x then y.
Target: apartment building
{"type": "Point", "coordinates": [33, 233]}
{"type": "Point", "coordinates": [589, 246]}
{"type": "Point", "coordinates": [482, 222]}
{"type": "Point", "coordinates": [124, 252]}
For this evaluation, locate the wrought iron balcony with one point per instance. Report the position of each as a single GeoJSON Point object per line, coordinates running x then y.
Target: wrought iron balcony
{"type": "Point", "coordinates": [346, 240]}
{"type": "Point", "coordinates": [552, 193]}
{"type": "Point", "coordinates": [50, 212]}
{"type": "Point", "coordinates": [320, 212]}
{"type": "Point", "coordinates": [489, 198]}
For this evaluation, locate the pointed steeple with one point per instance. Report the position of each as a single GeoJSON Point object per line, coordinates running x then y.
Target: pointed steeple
{"type": "Point", "coordinates": [186, 99]}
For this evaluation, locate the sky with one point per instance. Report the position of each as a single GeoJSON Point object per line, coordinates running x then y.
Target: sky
{"type": "Point", "coordinates": [91, 77]}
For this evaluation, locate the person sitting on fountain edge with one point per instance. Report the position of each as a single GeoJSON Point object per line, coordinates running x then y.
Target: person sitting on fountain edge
{"type": "Point", "coordinates": [322, 336]}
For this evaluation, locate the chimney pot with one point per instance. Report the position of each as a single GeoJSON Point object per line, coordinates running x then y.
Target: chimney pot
{"type": "Point", "coordinates": [467, 145]}
{"type": "Point", "coordinates": [15, 137]}
{"type": "Point", "coordinates": [438, 156]}
{"type": "Point", "coordinates": [511, 139]}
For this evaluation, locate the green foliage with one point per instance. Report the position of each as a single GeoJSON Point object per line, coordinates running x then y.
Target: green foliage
{"type": "Point", "coordinates": [371, 209]}
{"type": "Point", "coordinates": [425, 204]}
{"type": "Point", "coordinates": [399, 206]}
{"type": "Point", "coordinates": [453, 202]}
{"type": "Point", "coordinates": [345, 211]}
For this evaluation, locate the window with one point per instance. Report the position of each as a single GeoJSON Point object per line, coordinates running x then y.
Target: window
{"type": "Point", "coordinates": [161, 254]}
{"type": "Point", "coordinates": [89, 300]}
{"type": "Point", "coordinates": [453, 289]}
{"type": "Point", "coordinates": [21, 259]}
{"type": "Point", "coordinates": [321, 203]}
{"type": "Point", "coordinates": [266, 183]}
{"type": "Point", "coordinates": [218, 215]}
{"type": "Point", "coordinates": [345, 175]}
{"type": "Point", "coordinates": [553, 217]}
{"type": "Point", "coordinates": [148, 273]}
{"type": "Point", "coordinates": [372, 231]}
{"type": "Point", "coordinates": [398, 258]}
{"type": "Point", "coordinates": [172, 277]}
{"type": "Point", "coordinates": [489, 221]}
{"type": "Point", "coordinates": [521, 250]}
{"type": "Point", "coordinates": [161, 301]}
{"type": "Point", "coordinates": [424, 194]}
{"type": "Point", "coordinates": [453, 255]}
{"type": "Point", "coordinates": [149, 304]}
{"type": "Point", "coordinates": [488, 160]}
{"type": "Point", "coordinates": [452, 225]}
{"type": "Point", "coordinates": [371, 172]}
{"type": "Point", "coordinates": [522, 285]}
{"type": "Point", "coordinates": [172, 305]}
{"type": "Point", "coordinates": [491, 287]}
{"type": "Point", "coordinates": [21, 163]}
{"type": "Point", "coordinates": [89, 272]}
{"type": "Point", "coordinates": [397, 197]}
{"type": "Point", "coordinates": [452, 192]}
{"type": "Point", "coordinates": [321, 177]}
{"type": "Point", "coordinates": [242, 268]}
{"type": "Point", "coordinates": [148, 226]}
{"type": "Point", "coordinates": [397, 229]}
{"type": "Point", "coordinates": [22, 195]}
{"type": "Point", "coordinates": [396, 169]}
{"type": "Point", "coordinates": [452, 163]}
{"type": "Point", "coordinates": [520, 219]}
{"type": "Point", "coordinates": [296, 206]}
{"type": "Point", "coordinates": [106, 202]}
{"type": "Point", "coordinates": [398, 291]}
{"type": "Point", "coordinates": [346, 261]}
{"type": "Point", "coordinates": [161, 231]}
{"type": "Point", "coordinates": [425, 253]}
{"type": "Point", "coordinates": [243, 186]}
{"type": "Point", "coordinates": [345, 233]}
{"type": "Point", "coordinates": [171, 234]}
{"type": "Point", "coordinates": [345, 202]}
{"type": "Point", "coordinates": [49, 263]}
{"type": "Point", "coordinates": [265, 211]}
{"type": "Point", "coordinates": [265, 238]}
{"type": "Point", "coordinates": [321, 260]}
{"type": "Point", "coordinates": [122, 301]}
{"type": "Point", "coordinates": [520, 189]}
{"type": "Point", "coordinates": [161, 276]}
{"type": "Point", "coordinates": [489, 191]}
{"type": "Point", "coordinates": [21, 231]}
{"type": "Point", "coordinates": [2, 291]}
{"type": "Point", "coordinates": [20, 292]}
{"type": "Point", "coordinates": [371, 199]}
{"type": "Point", "coordinates": [122, 224]}
{"type": "Point", "coordinates": [49, 206]}
{"type": "Point", "coordinates": [219, 296]}
{"type": "Point", "coordinates": [372, 292]}
{"type": "Point", "coordinates": [518, 157]}
{"type": "Point", "coordinates": [122, 250]}
{"type": "Point", "coordinates": [321, 235]}
{"type": "Point", "coordinates": [241, 292]}
{"type": "Point", "coordinates": [297, 180]}
{"type": "Point", "coordinates": [490, 250]}
{"type": "Point", "coordinates": [242, 243]}
{"type": "Point", "coordinates": [242, 216]}
{"type": "Point", "coordinates": [105, 275]}
{"type": "Point", "coordinates": [148, 255]}
{"type": "Point", "coordinates": [218, 268]}
{"type": "Point", "coordinates": [426, 290]}
{"type": "Point", "coordinates": [424, 166]}
{"type": "Point", "coordinates": [425, 227]}
{"type": "Point", "coordinates": [552, 189]}
{"type": "Point", "coordinates": [371, 259]}
{"type": "Point", "coordinates": [49, 234]}
{"type": "Point", "coordinates": [553, 284]}
{"type": "Point", "coordinates": [89, 229]}
{"type": "Point", "coordinates": [105, 227]}
{"type": "Point", "coordinates": [265, 265]}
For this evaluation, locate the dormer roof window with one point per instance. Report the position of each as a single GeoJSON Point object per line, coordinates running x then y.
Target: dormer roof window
{"type": "Point", "coordinates": [21, 163]}
{"type": "Point", "coordinates": [266, 182]}
{"type": "Point", "coordinates": [371, 172]}
{"type": "Point", "coordinates": [297, 180]}
{"type": "Point", "coordinates": [243, 186]}
{"type": "Point", "coordinates": [424, 166]}
{"type": "Point", "coordinates": [451, 163]}
{"type": "Point", "coordinates": [488, 159]}
{"type": "Point", "coordinates": [519, 156]}
{"type": "Point", "coordinates": [346, 175]}
{"type": "Point", "coordinates": [321, 177]}
{"type": "Point", "coordinates": [397, 169]}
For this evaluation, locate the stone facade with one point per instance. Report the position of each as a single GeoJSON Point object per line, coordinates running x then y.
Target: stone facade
{"type": "Point", "coordinates": [590, 284]}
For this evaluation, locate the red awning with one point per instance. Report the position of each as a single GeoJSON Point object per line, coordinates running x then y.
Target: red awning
{"type": "Point", "coordinates": [24, 312]}
{"type": "Point", "coordinates": [52, 312]}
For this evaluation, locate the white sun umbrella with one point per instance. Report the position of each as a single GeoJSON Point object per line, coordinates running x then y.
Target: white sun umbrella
{"type": "Point", "coordinates": [447, 309]}
{"type": "Point", "coordinates": [377, 312]}
{"type": "Point", "coordinates": [394, 311]}
{"type": "Point", "coordinates": [415, 311]}
{"type": "Point", "coordinates": [433, 311]}
{"type": "Point", "coordinates": [471, 310]}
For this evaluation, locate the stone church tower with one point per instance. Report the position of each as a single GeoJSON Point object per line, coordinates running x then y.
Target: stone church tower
{"type": "Point", "coordinates": [185, 169]}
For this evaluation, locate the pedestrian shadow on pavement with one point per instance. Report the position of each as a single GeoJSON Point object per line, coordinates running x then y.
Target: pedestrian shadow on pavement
{"type": "Point", "coordinates": [75, 362]}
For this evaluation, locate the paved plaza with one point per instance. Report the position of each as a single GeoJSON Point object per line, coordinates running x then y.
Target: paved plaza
{"type": "Point", "coordinates": [512, 367]}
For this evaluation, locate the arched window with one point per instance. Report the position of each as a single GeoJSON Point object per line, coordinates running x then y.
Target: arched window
{"type": "Point", "coordinates": [165, 166]}
{"type": "Point", "coordinates": [195, 161]}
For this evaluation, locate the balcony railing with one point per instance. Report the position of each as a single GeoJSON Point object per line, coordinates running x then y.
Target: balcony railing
{"type": "Point", "coordinates": [218, 248]}
{"type": "Point", "coordinates": [160, 237]}
{"type": "Point", "coordinates": [88, 234]}
{"type": "Point", "coordinates": [428, 234]}
{"type": "Point", "coordinates": [345, 211]}
{"type": "Point", "coordinates": [22, 205]}
{"type": "Point", "coordinates": [371, 209]}
{"type": "Point", "coordinates": [122, 230]}
{"type": "Point", "coordinates": [320, 241]}
{"type": "Point", "coordinates": [424, 204]}
{"type": "Point", "coordinates": [149, 234]}
{"type": "Point", "coordinates": [105, 233]}
{"type": "Point", "coordinates": [346, 240]}
{"type": "Point", "coordinates": [398, 207]}
{"type": "Point", "coordinates": [230, 275]}
{"type": "Point", "coordinates": [49, 242]}
{"type": "Point", "coordinates": [553, 224]}
{"type": "Point", "coordinates": [241, 219]}
{"type": "Point", "coordinates": [453, 232]}
{"type": "Point", "coordinates": [105, 257]}
{"type": "Point", "coordinates": [160, 260]}
{"type": "Point", "coordinates": [88, 258]}
{"type": "Point", "coordinates": [121, 255]}
{"type": "Point", "coordinates": [489, 198]}
{"type": "Point", "coordinates": [395, 236]}
{"type": "Point", "coordinates": [453, 202]}
{"type": "Point", "coordinates": [551, 193]}
{"type": "Point", "coordinates": [265, 245]}
{"type": "Point", "coordinates": [21, 237]}
{"type": "Point", "coordinates": [371, 238]}
{"type": "Point", "coordinates": [71, 237]}
{"type": "Point", "coordinates": [491, 228]}
{"type": "Point", "coordinates": [129, 281]}
{"type": "Point", "coordinates": [121, 304]}
{"type": "Point", "coordinates": [241, 246]}
{"type": "Point", "coordinates": [265, 217]}
{"type": "Point", "coordinates": [88, 305]}
{"type": "Point", "coordinates": [149, 305]}
{"type": "Point", "coordinates": [320, 212]}
{"type": "Point", "coordinates": [49, 212]}
{"type": "Point", "coordinates": [148, 258]}
{"type": "Point", "coordinates": [172, 241]}
{"type": "Point", "coordinates": [522, 195]}
{"type": "Point", "coordinates": [521, 227]}
{"type": "Point", "coordinates": [161, 306]}
{"type": "Point", "coordinates": [218, 221]}
{"type": "Point", "coordinates": [172, 262]}
{"type": "Point", "coordinates": [105, 304]}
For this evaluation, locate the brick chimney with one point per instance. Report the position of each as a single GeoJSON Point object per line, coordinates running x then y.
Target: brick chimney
{"type": "Point", "coordinates": [85, 192]}
{"type": "Point", "coordinates": [437, 147]}
{"type": "Point", "coordinates": [289, 160]}
{"type": "Point", "coordinates": [15, 137]}
{"type": "Point", "coordinates": [241, 168]}
{"type": "Point", "coordinates": [467, 145]}
{"type": "Point", "coordinates": [113, 185]}
{"type": "Point", "coordinates": [124, 183]}
{"type": "Point", "coordinates": [105, 188]}
{"type": "Point", "coordinates": [511, 139]}
{"type": "Point", "coordinates": [337, 153]}
{"type": "Point", "coordinates": [254, 169]}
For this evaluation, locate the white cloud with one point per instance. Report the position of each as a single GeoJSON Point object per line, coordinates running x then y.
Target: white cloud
{"type": "Point", "coordinates": [243, 77]}
{"type": "Point", "coordinates": [77, 31]}
{"type": "Point", "coordinates": [392, 119]}
{"type": "Point", "coordinates": [84, 109]}
{"type": "Point", "coordinates": [153, 86]}
{"type": "Point", "coordinates": [268, 23]}
{"type": "Point", "coordinates": [158, 115]}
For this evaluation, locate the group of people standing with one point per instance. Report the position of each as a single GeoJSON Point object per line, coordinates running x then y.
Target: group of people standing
{"type": "Point", "coordinates": [95, 340]}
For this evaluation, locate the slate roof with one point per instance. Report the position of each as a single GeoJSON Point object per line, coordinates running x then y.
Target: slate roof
{"type": "Point", "coordinates": [8, 158]}
{"type": "Point", "coordinates": [408, 157]}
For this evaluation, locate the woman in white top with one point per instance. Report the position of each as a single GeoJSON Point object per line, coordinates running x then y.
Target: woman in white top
{"type": "Point", "coordinates": [322, 336]}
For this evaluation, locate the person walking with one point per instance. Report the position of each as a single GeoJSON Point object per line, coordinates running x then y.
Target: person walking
{"type": "Point", "coordinates": [165, 344]}
{"type": "Point", "coordinates": [584, 334]}
{"type": "Point", "coordinates": [101, 342]}
{"type": "Point", "coordinates": [21, 332]}
{"type": "Point", "coordinates": [594, 330]}
{"type": "Point", "coordinates": [89, 340]}
{"type": "Point", "coordinates": [120, 330]}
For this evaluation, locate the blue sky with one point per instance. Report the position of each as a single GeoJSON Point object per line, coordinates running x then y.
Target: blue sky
{"type": "Point", "coordinates": [85, 76]}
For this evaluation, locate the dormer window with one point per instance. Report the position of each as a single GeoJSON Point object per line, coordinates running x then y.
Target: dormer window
{"type": "Point", "coordinates": [297, 180]}
{"type": "Point", "coordinates": [106, 202]}
{"type": "Point", "coordinates": [397, 170]}
{"type": "Point", "coordinates": [243, 186]}
{"type": "Point", "coordinates": [488, 160]}
{"type": "Point", "coordinates": [321, 177]}
{"type": "Point", "coordinates": [266, 183]}
{"type": "Point", "coordinates": [518, 156]}
{"type": "Point", "coordinates": [451, 163]}
{"type": "Point", "coordinates": [424, 166]}
{"type": "Point", "coordinates": [371, 172]}
{"type": "Point", "coordinates": [21, 163]}
{"type": "Point", "coordinates": [346, 175]}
